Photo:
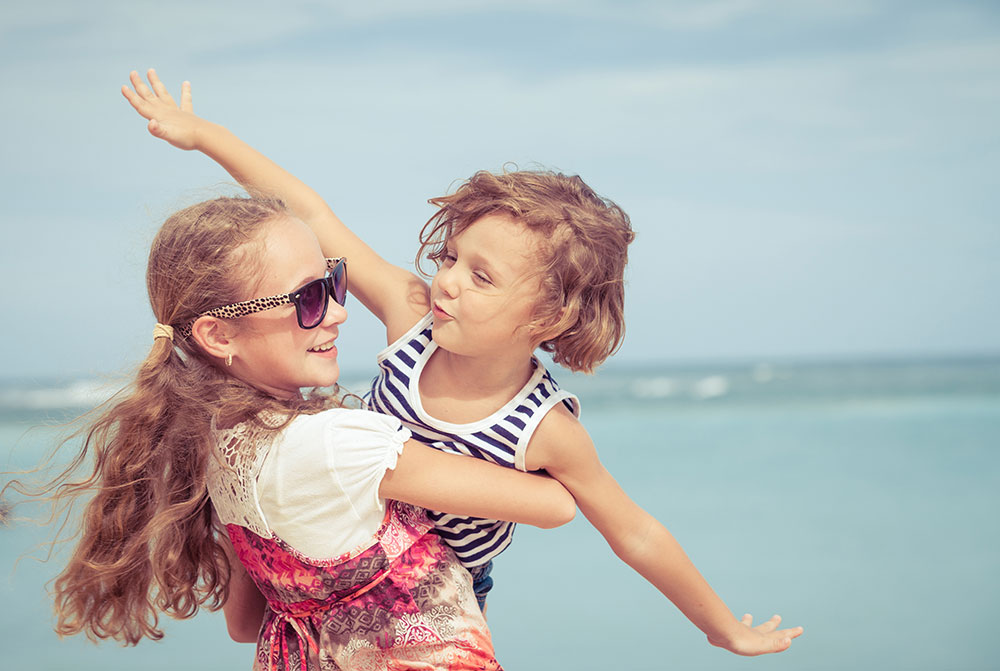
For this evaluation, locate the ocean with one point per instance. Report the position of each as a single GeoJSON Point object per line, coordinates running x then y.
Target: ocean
{"type": "Point", "coordinates": [857, 499]}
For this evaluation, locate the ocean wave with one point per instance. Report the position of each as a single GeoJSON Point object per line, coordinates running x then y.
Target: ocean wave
{"type": "Point", "coordinates": [712, 386]}
{"type": "Point", "coordinates": [654, 387]}
{"type": "Point", "coordinates": [647, 385]}
{"type": "Point", "coordinates": [784, 382]}
{"type": "Point", "coordinates": [72, 395]}
{"type": "Point", "coordinates": [660, 387]}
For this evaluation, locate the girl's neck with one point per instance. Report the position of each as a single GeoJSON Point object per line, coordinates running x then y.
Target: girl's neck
{"type": "Point", "coordinates": [490, 374]}
{"type": "Point", "coordinates": [461, 389]}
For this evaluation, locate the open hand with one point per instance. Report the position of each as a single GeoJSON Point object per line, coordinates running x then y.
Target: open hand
{"type": "Point", "coordinates": [759, 640]}
{"type": "Point", "coordinates": [178, 125]}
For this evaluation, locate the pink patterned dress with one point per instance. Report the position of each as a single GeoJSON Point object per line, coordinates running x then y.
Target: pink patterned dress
{"type": "Point", "coordinates": [400, 601]}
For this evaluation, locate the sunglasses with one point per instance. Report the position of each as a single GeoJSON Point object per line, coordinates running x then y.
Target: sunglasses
{"type": "Point", "coordinates": [310, 300]}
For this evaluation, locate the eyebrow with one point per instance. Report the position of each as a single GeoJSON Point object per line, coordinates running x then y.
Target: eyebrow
{"type": "Point", "coordinates": [309, 278]}
{"type": "Point", "coordinates": [494, 270]}
{"type": "Point", "coordinates": [303, 282]}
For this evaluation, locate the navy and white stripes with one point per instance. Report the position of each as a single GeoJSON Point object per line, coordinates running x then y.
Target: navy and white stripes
{"type": "Point", "coordinates": [500, 438]}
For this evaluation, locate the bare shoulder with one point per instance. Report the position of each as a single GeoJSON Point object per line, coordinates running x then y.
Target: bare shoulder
{"type": "Point", "coordinates": [559, 441]}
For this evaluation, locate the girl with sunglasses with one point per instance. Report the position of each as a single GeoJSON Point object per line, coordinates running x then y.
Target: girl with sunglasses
{"type": "Point", "coordinates": [217, 482]}
{"type": "Point", "coordinates": [525, 260]}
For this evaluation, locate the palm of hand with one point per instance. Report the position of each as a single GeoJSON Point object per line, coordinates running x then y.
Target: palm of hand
{"type": "Point", "coordinates": [167, 120]}
{"type": "Point", "coordinates": [760, 640]}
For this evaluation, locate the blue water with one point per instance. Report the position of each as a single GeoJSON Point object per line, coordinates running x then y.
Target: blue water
{"type": "Point", "coordinates": [856, 499]}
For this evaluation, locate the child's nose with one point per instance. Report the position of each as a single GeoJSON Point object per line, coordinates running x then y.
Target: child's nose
{"type": "Point", "coordinates": [447, 281]}
{"type": "Point", "coordinates": [335, 314]}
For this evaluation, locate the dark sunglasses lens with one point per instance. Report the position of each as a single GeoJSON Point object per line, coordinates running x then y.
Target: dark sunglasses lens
{"type": "Point", "coordinates": [340, 283]}
{"type": "Point", "coordinates": [312, 303]}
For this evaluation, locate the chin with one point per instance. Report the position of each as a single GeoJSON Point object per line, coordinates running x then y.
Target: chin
{"type": "Point", "coordinates": [445, 337]}
{"type": "Point", "coordinates": [327, 378]}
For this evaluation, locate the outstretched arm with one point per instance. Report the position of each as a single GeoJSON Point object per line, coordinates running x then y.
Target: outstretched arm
{"type": "Point", "coordinates": [476, 488]}
{"type": "Point", "coordinates": [561, 446]}
{"type": "Point", "coordinates": [396, 296]}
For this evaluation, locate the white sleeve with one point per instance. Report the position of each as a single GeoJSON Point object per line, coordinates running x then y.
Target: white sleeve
{"type": "Point", "coordinates": [360, 447]}
{"type": "Point", "coordinates": [318, 487]}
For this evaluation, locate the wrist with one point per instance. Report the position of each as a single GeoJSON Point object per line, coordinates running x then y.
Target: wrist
{"type": "Point", "coordinates": [202, 133]}
{"type": "Point", "coordinates": [728, 635]}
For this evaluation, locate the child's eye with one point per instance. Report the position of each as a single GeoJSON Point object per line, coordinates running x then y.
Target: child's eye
{"type": "Point", "coordinates": [482, 279]}
{"type": "Point", "coordinates": [448, 258]}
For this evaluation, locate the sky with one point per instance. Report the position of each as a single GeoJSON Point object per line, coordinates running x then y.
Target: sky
{"type": "Point", "coordinates": [807, 180]}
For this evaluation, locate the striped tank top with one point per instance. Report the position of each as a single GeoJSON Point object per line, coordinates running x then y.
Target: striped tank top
{"type": "Point", "coordinates": [501, 438]}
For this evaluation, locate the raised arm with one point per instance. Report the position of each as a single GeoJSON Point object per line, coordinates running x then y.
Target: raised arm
{"type": "Point", "coordinates": [476, 488]}
{"type": "Point", "coordinates": [561, 446]}
{"type": "Point", "coordinates": [396, 296]}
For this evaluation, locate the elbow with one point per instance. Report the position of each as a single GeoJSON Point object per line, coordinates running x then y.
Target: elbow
{"type": "Point", "coordinates": [244, 617]}
{"type": "Point", "coordinates": [560, 514]}
{"type": "Point", "coordinates": [242, 634]}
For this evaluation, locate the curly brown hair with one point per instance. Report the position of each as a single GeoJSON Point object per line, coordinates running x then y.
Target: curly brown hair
{"type": "Point", "coordinates": [580, 314]}
{"type": "Point", "coordinates": [148, 543]}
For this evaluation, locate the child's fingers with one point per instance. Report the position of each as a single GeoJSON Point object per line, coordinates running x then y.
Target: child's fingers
{"type": "Point", "coordinates": [161, 91]}
{"type": "Point", "coordinates": [139, 85]}
{"type": "Point", "coordinates": [781, 640]}
{"type": "Point", "coordinates": [137, 103]}
{"type": "Point", "coordinates": [186, 105]}
{"type": "Point", "coordinates": [781, 644]}
{"type": "Point", "coordinates": [794, 632]}
{"type": "Point", "coordinates": [747, 620]}
{"type": "Point", "coordinates": [770, 625]}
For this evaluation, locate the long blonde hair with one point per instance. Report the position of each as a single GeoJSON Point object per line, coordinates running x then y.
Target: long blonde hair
{"type": "Point", "coordinates": [148, 543]}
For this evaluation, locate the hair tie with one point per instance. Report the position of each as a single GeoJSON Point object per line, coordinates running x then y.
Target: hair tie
{"type": "Point", "coordinates": [163, 331]}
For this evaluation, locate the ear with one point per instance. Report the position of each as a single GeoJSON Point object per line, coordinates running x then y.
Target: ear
{"type": "Point", "coordinates": [214, 336]}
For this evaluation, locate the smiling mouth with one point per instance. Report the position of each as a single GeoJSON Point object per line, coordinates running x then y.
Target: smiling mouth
{"type": "Point", "coordinates": [325, 347]}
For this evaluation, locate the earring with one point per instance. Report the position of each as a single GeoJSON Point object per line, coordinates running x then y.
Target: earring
{"type": "Point", "coordinates": [229, 359]}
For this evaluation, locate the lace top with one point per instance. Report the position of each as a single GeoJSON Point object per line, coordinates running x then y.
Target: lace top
{"type": "Point", "coordinates": [313, 484]}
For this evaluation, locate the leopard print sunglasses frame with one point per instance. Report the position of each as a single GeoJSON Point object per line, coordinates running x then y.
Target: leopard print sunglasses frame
{"type": "Point", "coordinates": [334, 285]}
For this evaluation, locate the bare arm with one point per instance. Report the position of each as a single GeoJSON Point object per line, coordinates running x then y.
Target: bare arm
{"type": "Point", "coordinates": [245, 605]}
{"type": "Point", "coordinates": [396, 296]}
{"type": "Point", "coordinates": [564, 449]}
{"type": "Point", "coordinates": [463, 486]}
